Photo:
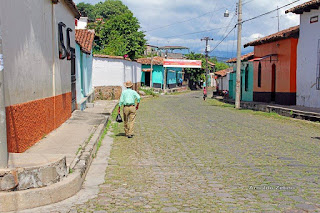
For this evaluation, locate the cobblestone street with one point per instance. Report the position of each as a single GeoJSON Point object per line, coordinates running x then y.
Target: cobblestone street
{"type": "Point", "coordinates": [190, 155]}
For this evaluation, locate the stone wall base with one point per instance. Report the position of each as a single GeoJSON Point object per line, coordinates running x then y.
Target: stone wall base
{"type": "Point", "coordinates": [111, 92]}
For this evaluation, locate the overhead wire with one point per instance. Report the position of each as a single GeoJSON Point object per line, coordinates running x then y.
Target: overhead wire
{"type": "Point", "coordinates": [253, 19]}
{"type": "Point", "coordinates": [197, 32]}
{"type": "Point", "coordinates": [226, 35]}
{"type": "Point", "coordinates": [270, 11]}
{"type": "Point", "coordinates": [223, 39]}
{"type": "Point", "coordinates": [244, 3]}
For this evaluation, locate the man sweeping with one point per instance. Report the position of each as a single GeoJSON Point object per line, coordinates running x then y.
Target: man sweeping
{"type": "Point", "coordinates": [128, 100]}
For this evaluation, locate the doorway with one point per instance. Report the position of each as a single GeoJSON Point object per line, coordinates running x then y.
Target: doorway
{"type": "Point", "coordinates": [273, 83]}
{"type": "Point", "coordinates": [147, 79]}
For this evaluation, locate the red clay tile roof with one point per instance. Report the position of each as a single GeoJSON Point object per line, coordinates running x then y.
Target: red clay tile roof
{"type": "Point", "coordinates": [85, 39]}
{"type": "Point", "coordinates": [212, 64]}
{"type": "Point", "coordinates": [224, 72]}
{"type": "Point", "coordinates": [245, 57]}
{"type": "Point", "coordinates": [72, 6]}
{"type": "Point", "coordinates": [287, 33]}
{"type": "Point", "coordinates": [173, 47]}
{"type": "Point", "coordinates": [111, 56]}
{"type": "Point", "coordinates": [156, 60]}
{"type": "Point", "coordinates": [305, 7]}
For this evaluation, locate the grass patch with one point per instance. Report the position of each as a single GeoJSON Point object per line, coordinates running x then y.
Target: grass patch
{"type": "Point", "coordinates": [79, 149]}
{"type": "Point", "coordinates": [114, 113]}
{"type": "Point", "coordinates": [105, 131]}
{"type": "Point", "coordinates": [265, 114]}
{"type": "Point", "coordinates": [217, 103]}
{"type": "Point", "coordinates": [90, 137]}
{"type": "Point", "coordinates": [149, 91]}
{"type": "Point", "coordinates": [178, 93]}
{"type": "Point", "coordinates": [273, 115]}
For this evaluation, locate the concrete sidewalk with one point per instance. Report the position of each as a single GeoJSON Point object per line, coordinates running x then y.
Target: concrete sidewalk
{"type": "Point", "coordinates": [293, 111]}
{"type": "Point", "coordinates": [60, 161]}
{"type": "Point", "coordinates": [70, 137]}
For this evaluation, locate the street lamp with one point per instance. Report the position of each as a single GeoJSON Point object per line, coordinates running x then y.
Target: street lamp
{"type": "Point", "coordinates": [226, 14]}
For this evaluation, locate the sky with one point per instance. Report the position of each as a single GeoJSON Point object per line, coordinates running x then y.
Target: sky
{"type": "Point", "coordinates": [185, 22]}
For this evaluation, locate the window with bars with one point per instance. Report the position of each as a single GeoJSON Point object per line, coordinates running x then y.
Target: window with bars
{"type": "Point", "coordinates": [259, 75]}
{"type": "Point", "coordinates": [318, 67]}
{"type": "Point", "coordinates": [246, 77]}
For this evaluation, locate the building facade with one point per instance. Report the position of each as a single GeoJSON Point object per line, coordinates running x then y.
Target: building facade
{"type": "Point", "coordinates": [246, 80]}
{"type": "Point", "coordinates": [275, 67]}
{"type": "Point", "coordinates": [84, 59]}
{"type": "Point", "coordinates": [111, 72]}
{"type": "Point", "coordinates": [38, 51]}
{"type": "Point", "coordinates": [157, 74]}
{"type": "Point", "coordinates": [308, 54]}
{"type": "Point", "coordinates": [223, 78]}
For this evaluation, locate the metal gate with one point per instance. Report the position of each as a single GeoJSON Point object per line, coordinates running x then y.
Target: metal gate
{"type": "Point", "coordinates": [73, 80]}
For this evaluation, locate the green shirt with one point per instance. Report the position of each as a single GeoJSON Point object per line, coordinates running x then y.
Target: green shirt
{"type": "Point", "coordinates": [128, 97]}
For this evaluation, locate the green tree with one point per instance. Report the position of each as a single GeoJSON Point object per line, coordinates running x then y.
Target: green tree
{"type": "Point", "coordinates": [119, 31]}
{"type": "Point", "coordinates": [86, 10]}
{"type": "Point", "coordinates": [109, 8]}
{"type": "Point", "coordinates": [196, 74]}
{"type": "Point", "coordinates": [221, 66]}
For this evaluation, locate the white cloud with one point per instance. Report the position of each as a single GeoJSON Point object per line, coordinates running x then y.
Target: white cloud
{"type": "Point", "coordinates": [155, 14]}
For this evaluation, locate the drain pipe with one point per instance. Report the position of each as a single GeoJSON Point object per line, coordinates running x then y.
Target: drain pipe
{"type": "Point", "coordinates": [3, 127]}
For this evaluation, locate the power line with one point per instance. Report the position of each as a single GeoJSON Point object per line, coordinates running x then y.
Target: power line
{"type": "Point", "coordinates": [223, 39]}
{"type": "Point", "coordinates": [270, 11]}
{"type": "Point", "coordinates": [197, 32]}
{"type": "Point", "coordinates": [247, 2]}
{"type": "Point", "coordinates": [179, 22]}
{"type": "Point", "coordinates": [252, 19]}
{"type": "Point", "coordinates": [226, 35]}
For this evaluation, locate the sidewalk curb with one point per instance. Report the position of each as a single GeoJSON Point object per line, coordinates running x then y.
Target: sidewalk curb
{"type": "Point", "coordinates": [283, 111]}
{"type": "Point", "coordinates": [69, 186]}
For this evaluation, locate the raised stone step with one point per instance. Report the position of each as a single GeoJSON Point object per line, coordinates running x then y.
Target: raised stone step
{"type": "Point", "coordinates": [27, 171]}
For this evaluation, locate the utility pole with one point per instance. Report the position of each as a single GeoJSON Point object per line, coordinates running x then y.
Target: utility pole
{"type": "Point", "coordinates": [238, 72]}
{"type": "Point", "coordinates": [151, 68]}
{"type": "Point", "coordinates": [165, 73]}
{"type": "Point", "coordinates": [207, 53]}
{"type": "Point", "coordinates": [3, 128]}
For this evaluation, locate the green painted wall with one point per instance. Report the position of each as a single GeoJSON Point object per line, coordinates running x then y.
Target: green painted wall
{"type": "Point", "coordinates": [173, 74]}
{"type": "Point", "coordinates": [246, 95]}
{"type": "Point", "coordinates": [157, 74]}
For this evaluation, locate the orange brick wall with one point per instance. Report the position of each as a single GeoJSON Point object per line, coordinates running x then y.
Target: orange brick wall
{"type": "Point", "coordinates": [29, 122]}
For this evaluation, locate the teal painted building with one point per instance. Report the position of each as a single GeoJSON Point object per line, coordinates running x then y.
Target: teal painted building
{"type": "Point", "coordinates": [246, 78]}
{"type": "Point", "coordinates": [246, 82]}
{"type": "Point", "coordinates": [173, 74]}
{"type": "Point", "coordinates": [83, 64]}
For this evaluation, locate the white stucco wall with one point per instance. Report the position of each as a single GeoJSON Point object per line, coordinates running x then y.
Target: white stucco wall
{"type": "Point", "coordinates": [114, 72]}
{"type": "Point", "coordinates": [27, 49]}
{"type": "Point", "coordinates": [224, 82]}
{"type": "Point", "coordinates": [62, 68]}
{"type": "Point", "coordinates": [307, 59]}
{"type": "Point", "coordinates": [82, 23]}
{"type": "Point", "coordinates": [31, 48]}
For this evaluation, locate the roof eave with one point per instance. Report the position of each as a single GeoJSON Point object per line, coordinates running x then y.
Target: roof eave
{"type": "Point", "coordinates": [300, 9]}
{"type": "Point", "coordinates": [72, 6]}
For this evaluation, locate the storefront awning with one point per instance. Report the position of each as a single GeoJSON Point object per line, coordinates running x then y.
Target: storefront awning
{"type": "Point", "coordinates": [271, 57]}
